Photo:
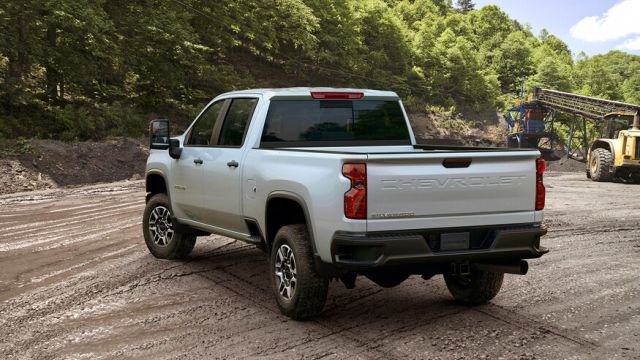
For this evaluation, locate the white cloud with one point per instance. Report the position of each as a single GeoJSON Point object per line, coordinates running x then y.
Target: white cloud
{"type": "Point", "coordinates": [632, 44]}
{"type": "Point", "coordinates": [620, 21]}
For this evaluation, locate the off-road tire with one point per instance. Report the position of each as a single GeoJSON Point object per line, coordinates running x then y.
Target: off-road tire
{"type": "Point", "coordinates": [179, 246]}
{"type": "Point", "coordinates": [601, 165]}
{"type": "Point", "coordinates": [310, 292]}
{"type": "Point", "coordinates": [476, 288]}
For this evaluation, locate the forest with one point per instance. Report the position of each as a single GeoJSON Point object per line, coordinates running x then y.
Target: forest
{"type": "Point", "coordinates": [89, 69]}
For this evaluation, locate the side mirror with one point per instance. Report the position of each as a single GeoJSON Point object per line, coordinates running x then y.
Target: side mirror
{"type": "Point", "coordinates": [174, 148]}
{"type": "Point", "coordinates": [159, 134]}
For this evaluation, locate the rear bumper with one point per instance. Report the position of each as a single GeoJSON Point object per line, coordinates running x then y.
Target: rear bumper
{"type": "Point", "coordinates": [354, 251]}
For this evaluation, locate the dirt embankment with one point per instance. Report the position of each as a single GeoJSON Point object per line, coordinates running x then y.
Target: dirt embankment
{"type": "Point", "coordinates": [435, 127]}
{"type": "Point", "coordinates": [42, 164]}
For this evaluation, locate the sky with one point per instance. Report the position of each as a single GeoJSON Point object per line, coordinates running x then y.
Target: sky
{"type": "Point", "coordinates": [592, 26]}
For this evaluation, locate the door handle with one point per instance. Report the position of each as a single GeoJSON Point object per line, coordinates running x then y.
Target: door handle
{"type": "Point", "coordinates": [233, 163]}
{"type": "Point", "coordinates": [456, 162]}
{"type": "Point", "coordinates": [197, 161]}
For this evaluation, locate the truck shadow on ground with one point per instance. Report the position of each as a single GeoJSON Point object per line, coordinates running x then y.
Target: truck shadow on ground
{"type": "Point", "coordinates": [416, 316]}
{"type": "Point", "coordinates": [247, 269]}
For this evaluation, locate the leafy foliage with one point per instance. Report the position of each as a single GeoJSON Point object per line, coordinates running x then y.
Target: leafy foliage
{"type": "Point", "coordinates": [80, 69]}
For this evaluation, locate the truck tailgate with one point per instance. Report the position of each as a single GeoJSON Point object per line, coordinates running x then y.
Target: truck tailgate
{"type": "Point", "coordinates": [418, 186]}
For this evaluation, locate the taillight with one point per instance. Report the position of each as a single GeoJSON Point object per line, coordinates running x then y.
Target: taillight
{"type": "Point", "coordinates": [541, 166]}
{"type": "Point", "coordinates": [337, 95]}
{"type": "Point", "coordinates": [355, 200]}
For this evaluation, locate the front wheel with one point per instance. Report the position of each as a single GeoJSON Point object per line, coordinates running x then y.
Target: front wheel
{"type": "Point", "coordinates": [601, 165]}
{"type": "Point", "coordinates": [160, 235]}
{"type": "Point", "coordinates": [300, 291]}
{"type": "Point", "coordinates": [476, 288]}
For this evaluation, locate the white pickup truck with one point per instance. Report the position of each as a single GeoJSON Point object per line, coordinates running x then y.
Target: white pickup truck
{"type": "Point", "coordinates": [331, 184]}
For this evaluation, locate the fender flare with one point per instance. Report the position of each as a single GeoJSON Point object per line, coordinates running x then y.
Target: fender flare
{"type": "Point", "coordinates": [303, 205]}
{"type": "Point", "coordinates": [598, 142]}
{"type": "Point", "coordinates": [162, 175]}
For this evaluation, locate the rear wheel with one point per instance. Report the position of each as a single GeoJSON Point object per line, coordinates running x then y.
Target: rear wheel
{"type": "Point", "coordinates": [300, 291]}
{"type": "Point", "coordinates": [476, 288]}
{"type": "Point", "coordinates": [601, 165]}
{"type": "Point", "coordinates": [160, 235]}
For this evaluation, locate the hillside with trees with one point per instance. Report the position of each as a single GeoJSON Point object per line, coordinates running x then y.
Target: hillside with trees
{"type": "Point", "coordinates": [79, 69]}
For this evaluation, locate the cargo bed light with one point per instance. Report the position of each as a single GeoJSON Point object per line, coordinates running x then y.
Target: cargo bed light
{"type": "Point", "coordinates": [337, 95]}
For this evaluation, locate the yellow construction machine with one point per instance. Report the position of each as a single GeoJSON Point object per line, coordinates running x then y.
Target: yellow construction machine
{"type": "Point", "coordinates": [617, 155]}
{"type": "Point", "coordinates": [614, 156]}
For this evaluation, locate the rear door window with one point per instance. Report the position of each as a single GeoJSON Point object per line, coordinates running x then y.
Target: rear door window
{"type": "Point", "coordinates": [334, 123]}
{"type": "Point", "coordinates": [236, 121]}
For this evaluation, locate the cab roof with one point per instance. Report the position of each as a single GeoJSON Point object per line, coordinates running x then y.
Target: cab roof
{"type": "Point", "coordinates": [305, 92]}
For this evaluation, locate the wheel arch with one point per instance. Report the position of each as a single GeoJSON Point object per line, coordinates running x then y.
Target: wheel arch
{"type": "Point", "coordinates": [603, 144]}
{"type": "Point", "coordinates": [156, 183]}
{"type": "Point", "coordinates": [286, 208]}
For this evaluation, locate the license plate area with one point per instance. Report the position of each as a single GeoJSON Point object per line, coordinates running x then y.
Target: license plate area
{"type": "Point", "coordinates": [454, 241]}
{"type": "Point", "coordinates": [477, 239]}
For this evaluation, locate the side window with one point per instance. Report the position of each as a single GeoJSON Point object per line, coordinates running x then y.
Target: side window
{"type": "Point", "coordinates": [235, 122]}
{"type": "Point", "coordinates": [203, 129]}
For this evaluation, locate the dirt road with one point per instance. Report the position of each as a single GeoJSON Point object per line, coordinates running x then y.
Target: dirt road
{"type": "Point", "coordinates": [76, 281]}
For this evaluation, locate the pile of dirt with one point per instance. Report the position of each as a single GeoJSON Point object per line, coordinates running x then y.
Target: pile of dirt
{"type": "Point", "coordinates": [16, 178]}
{"type": "Point", "coordinates": [434, 127]}
{"type": "Point", "coordinates": [39, 164]}
{"type": "Point", "coordinates": [566, 165]}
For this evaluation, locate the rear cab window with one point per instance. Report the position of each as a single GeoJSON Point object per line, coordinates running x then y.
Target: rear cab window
{"type": "Point", "coordinates": [313, 123]}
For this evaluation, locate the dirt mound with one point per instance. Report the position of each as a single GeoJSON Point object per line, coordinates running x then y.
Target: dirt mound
{"type": "Point", "coordinates": [40, 164]}
{"type": "Point", "coordinates": [438, 127]}
{"type": "Point", "coordinates": [566, 165]}
{"type": "Point", "coordinates": [16, 178]}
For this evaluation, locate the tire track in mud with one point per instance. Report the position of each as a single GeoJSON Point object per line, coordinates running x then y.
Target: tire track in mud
{"type": "Point", "coordinates": [51, 290]}
{"type": "Point", "coordinates": [92, 235]}
{"type": "Point", "coordinates": [528, 323]}
{"type": "Point", "coordinates": [263, 298]}
{"type": "Point", "coordinates": [71, 225]}
{"type": "Point", "coordinates": [85, 285]}
{"type": "Point", "coordinates": [48, 224]}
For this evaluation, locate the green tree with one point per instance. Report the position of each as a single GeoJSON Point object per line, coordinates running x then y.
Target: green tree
{"type": "Point", "coordinates": [513, 62]}
{"type": "Point", "coordinates": [465, 5]}
{"type": "Point", "coordinates": [595, 78]}
{"type": "Point", "coordinates": [553, 74]}
{"type": "Point", "coordinates": [631, 89]}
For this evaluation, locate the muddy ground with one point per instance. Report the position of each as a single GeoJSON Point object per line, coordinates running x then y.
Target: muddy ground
{"type": "Point", "coordinates": [78, 282]}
